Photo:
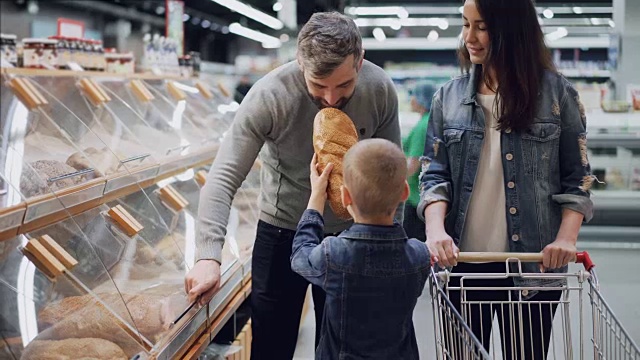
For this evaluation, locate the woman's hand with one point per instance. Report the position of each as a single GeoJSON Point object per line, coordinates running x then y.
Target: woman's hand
{"type": "Point", "coordinates": [442, 248]}
{"type": "Point", "coordinates": [558, 254]}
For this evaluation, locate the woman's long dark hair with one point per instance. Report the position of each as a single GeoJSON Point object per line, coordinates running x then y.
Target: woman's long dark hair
{"type": "Point", "coordinates": [518, 57]}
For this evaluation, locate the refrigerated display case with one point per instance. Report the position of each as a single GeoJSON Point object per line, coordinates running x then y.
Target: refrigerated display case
{"type": "Point", "coordinates": [613, 146]}
{"type": "Point", "coordinates": [99, 191]}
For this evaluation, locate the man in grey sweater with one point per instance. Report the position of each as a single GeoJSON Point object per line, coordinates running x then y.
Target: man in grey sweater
{"type": "Point", "coordinates": [275, 121]}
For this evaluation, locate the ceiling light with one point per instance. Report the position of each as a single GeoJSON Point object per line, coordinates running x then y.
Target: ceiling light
{"type": "Point", "coordinates": [547, 13]}
{"type": "Point", "coordinates": [433, 36]}
{"type": "Point", "coordinates": [267, 41]}
{"type": "Point", "coordinates": [461, 9]}
{"type": "Point", "coordinates": [33, 7]}
{"type": "Point", "coordinates": [595, 21]}
{"type": "Point", "coordinates": [612, 23]}
{"type": "Point", "coordinates": [185, 17]}
{"type": "Point", "coordinates": [453, 43]}
{"type": "Point", "coordinates": [284, 38]}
{"type": "Point", "coordinates": [252, 13]}
{"type": "Point", "coordinates": [277, 6]}
{"type": "Point", "coordinates": [195, 21]}
{"type": "Point", "coordinates": [272, 44]}
{"type": "Point", "coordinates": [225, 29]}
{"type": "Point", "coordinates": [160, 10]}
{"type": "Point", "coordinates": [558, 34]}
{"type": "Point", "coordinates": [577, 10]}
{"type": "Point", "coordinates": [206, 23]}
{"type": "Point", "coordinates": [398, 11]}
{"type": "Point", "coordinates": [396, 24]}
{"type": "Point", "coordinates": [379, 35]}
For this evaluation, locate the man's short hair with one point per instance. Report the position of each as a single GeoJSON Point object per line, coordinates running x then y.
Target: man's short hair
{"type": "Point", "coordinates": [326, 40]}
{"type": "Point", "coordinates": [375, 171]}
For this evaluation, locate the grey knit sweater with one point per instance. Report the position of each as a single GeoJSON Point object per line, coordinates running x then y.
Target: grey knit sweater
{"type": "Point", "coordinates": [275, 121]}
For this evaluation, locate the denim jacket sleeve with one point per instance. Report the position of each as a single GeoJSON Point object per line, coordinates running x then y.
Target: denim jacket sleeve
{"type": "Point", "coordinates": [435, 176]}
{"type": "Point", "coordinates": [575, 171]}
{"type": "Point", "coordinates": [309, 256]}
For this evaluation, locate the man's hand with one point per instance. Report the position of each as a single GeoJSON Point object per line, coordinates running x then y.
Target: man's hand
{"type": "Point", "coordinates": [558, 254]}
{"type": "Point", "coordinates": [203, 281]}
{"type": "Point", "coordinates": [319, 183]}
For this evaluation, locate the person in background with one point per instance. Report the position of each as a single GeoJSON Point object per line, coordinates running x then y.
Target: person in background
{"type": "Point", "coordinates": [372, 273]}
{"type": "Point", "coordinates": [275, 121]}
{"type": "Point", "coordinates": [413, 146]}
{"type": "Point", "coordinates": [505, 169]}
{"type": "Point", "coordinates": [243, 87]}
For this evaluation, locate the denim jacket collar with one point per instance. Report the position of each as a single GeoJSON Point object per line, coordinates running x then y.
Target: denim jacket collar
{"type": "Point", "coordinates": [374, 232]}
{"type": "Point", "coordinates": [474, 76]}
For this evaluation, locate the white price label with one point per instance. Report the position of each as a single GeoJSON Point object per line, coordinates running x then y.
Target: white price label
{"type": "Point", "coordinates": [5, 64]}
{"type": "Point", "coordinates": [74, 66]}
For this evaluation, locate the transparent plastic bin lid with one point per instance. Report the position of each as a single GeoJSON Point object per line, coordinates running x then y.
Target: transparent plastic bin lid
{"type": "Point", "coordinates": [64, 314]}
{"type": "Point", "coordinates": [97, 128]}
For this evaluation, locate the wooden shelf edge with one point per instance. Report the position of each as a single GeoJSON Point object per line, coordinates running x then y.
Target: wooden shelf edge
{"type": "Point", "coordinates": [201, 342]}
{"type": "Point", "coordinates": [70, 73]}
{"type": "Point", "coordinates": [66, 213]}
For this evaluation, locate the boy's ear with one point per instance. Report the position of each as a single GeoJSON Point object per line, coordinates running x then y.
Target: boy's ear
{"type": "Point", "coordinates": [406, 191]}
{"type": "Point", "coordinates": [345, 196]}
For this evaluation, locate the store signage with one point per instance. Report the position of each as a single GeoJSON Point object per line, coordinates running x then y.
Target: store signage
{"type": "Point", "coordinates": [70, 28]}
{"type": "Point", "coordinates": [175, 24]}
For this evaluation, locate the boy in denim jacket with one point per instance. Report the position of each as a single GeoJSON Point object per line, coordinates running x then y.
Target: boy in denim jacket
{"type": "Point", "coordinates": [372, 274]}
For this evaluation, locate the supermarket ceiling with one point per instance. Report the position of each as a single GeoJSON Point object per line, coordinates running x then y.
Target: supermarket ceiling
{"type": "Point", "coordinates": [385, 24]}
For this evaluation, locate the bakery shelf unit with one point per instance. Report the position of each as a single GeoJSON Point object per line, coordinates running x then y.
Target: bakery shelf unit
{"type": "Point", "coordinates": [100, 177]}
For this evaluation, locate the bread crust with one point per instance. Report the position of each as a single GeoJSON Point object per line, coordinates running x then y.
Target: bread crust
{"type": "Point", "coordinates": [333, 135]}
{"type": "Point", "coordinates": [83, 348]}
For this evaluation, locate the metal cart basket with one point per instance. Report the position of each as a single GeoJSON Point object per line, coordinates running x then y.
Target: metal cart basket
{"type": "Point", "coordinates": [495, 316]}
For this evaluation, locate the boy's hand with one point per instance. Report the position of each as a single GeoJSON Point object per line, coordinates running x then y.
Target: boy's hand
{"type": "Point", "coordinates": [319, 183]}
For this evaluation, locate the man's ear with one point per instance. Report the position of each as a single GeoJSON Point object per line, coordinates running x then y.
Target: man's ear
{"type": "Point", "coordinates": [406, 191]}
{"type": "Point", "coordinates": [361, 61]}
{"type": "Point", "coordinates": [299, 60]}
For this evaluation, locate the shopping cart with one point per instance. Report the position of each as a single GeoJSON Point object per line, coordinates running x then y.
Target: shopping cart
{"type": "Point", "coordinates": [515, 317]}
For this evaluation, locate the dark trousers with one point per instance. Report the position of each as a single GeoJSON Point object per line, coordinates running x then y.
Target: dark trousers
{"type": "Point", "coordinates": [413, 226]}
{"type": "Point", "coordinates": [277, 296]}
{"type": "Point", "coordinates": [529, 341]}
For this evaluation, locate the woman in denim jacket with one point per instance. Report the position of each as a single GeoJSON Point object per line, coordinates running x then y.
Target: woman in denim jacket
{"type": "Point", "coordinates": [505, 168]}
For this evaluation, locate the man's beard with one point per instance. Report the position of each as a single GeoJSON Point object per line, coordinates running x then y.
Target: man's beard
{"type": "Point", "coordinates": [321, 104]}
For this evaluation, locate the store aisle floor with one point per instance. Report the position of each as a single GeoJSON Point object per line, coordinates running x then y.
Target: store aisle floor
{"type": "Point", "coordinates": [617, 270]}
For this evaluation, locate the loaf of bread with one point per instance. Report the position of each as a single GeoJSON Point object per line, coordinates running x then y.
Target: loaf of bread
{"type": "Point", "coordinates": [46, 169]}
{"type": "Point", "coordinates": [83, 316]}
{"type": "Point", "coordinates": [85, 348]}
{"type": "Point", "coordinates": [103, 162]}
{"type": "Point", "coordinates": [333, 135]}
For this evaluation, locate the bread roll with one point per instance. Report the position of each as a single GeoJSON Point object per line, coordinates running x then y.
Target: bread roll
{"type": "Point", "coordinates": [333, 135]}
{"type": "Point", "coordinates": [85, 348]}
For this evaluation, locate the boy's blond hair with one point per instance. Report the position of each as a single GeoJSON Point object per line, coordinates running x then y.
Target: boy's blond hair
{"type": "Point", "coordinates": [375, 171]}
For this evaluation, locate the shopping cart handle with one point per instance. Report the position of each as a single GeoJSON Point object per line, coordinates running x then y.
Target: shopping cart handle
{"type": "Point", "coordinates": [582, 257]}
